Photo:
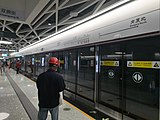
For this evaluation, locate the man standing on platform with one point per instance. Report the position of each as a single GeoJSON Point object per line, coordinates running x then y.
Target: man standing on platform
{"type": "Point", "coordinates": [18, 65]}
{"type": "Point", "coordinates": [49, 85]}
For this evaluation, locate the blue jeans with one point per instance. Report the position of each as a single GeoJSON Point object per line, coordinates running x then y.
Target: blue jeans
{"type": "Point", "coordinates": [43, 112]}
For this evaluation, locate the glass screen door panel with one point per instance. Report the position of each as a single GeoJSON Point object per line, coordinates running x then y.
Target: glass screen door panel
{"type": "Point", "coordinates": [70, 69]}
{"type": "Point", "coordinates": [141, 75]}
{"type": "Point", "coordinates": [109, 75]}
{"type": "Point", "coordinates": [86, 72]}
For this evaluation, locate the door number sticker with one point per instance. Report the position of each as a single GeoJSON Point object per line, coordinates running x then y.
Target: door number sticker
{"type": "Point", "coordinates": [137, 77]}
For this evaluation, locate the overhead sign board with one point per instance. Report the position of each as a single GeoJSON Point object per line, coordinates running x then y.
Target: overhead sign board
{"type": "Point", "coordinates": [144, 64]}
{"type": "Point", "coordinates": [7, 34]}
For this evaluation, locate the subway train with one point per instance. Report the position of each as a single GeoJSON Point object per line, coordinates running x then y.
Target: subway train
{"type": "Point", "coordinates": [110, 61]}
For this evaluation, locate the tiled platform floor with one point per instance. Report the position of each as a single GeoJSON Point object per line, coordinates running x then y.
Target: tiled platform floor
{"type": "Point", "coordinates": [12, 109]}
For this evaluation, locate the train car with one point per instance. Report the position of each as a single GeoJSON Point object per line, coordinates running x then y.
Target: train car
{"type": "Point", "coordinates": [110, 61]}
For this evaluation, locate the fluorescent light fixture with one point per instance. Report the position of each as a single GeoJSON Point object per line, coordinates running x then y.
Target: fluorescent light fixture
{"type": "Point", "coordinates": [5, 42]}
{"type": "Point", "coordinates": [120, 53]}
{"type": "Point", "coordinates": [6, 50]}
{"type": "Point", "coordinates": [73, 14]}
{"type": "Point", "coordinates": [12, 50]}
{"type": "Point", "coordinates": [49, 24]}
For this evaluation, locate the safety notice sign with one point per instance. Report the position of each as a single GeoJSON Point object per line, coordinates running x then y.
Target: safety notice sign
{"type": "Point", "coordinates": [109, 63]}
{"type": "Point", "coordinates": [144, 64]}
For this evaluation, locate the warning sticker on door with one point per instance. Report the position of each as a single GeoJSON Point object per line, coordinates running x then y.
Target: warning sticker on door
{"type": "Point", "coordinates": [144, 64]}
{"type": "Point", "coordinates": [109, 63]}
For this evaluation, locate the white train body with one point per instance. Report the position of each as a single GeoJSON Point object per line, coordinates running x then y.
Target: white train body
{"type": "Point", "coordinates": [134, 18]}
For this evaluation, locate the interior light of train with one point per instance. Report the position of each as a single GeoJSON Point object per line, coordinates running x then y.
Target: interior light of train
{"type": "Point", "coordinates": [3, 49]}
{"type": "Point", "coordinates": [120, 53]}
{"type": "Point", "coordinates": [4, 55]}
{"type": "Point", "coordinates": [87, 57]}
{"type": "Point", "coordinates": [42, 62]}
{"type": "Point", "coordinates": [16, 54]}
{"type": "Point", "coordinates": [119, 56]}
{"type": "Point", "coordinates": [92, 49]}
{"type": "Point", "coordinates": [97, 63]}
{"type": "Point", "coordinates": [32, 61]}
{"type": "Point", "coordinates": [157, 54]}
{"type": "Point", "coordinates": [12, 50]}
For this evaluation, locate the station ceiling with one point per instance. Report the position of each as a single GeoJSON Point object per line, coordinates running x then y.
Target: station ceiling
{"type": "Point", "coordinates": [28, 21]}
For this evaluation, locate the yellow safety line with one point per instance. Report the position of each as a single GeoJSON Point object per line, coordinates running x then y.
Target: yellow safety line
{"type": "Point", "coordinates": [91, 118]}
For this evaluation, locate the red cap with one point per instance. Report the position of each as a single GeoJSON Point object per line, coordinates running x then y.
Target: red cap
{"type": "Point", "coordinates": [54, 60]}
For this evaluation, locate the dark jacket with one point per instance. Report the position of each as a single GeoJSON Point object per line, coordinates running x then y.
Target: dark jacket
{"type": "Point", "coordinates": [49, 84]}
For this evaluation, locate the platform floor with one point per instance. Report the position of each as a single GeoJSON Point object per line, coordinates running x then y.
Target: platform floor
{"type": "Point", "coordinates": [19, 101]}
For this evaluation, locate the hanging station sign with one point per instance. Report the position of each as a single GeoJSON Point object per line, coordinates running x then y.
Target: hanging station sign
{"type": "Point", "coordinates": [144, 64]}
{"type": "Point", "coordinates": [11, 14]}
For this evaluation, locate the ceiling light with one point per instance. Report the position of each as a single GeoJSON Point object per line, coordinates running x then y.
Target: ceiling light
{"type": "Point", "coordinates": [5, 42]}
{"type": "Point", "coordinates": [73, 14]}
{"type": "Point", "coordinates": [49, 24]}
{"type": "Point", "coordinates": [12, 50]}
